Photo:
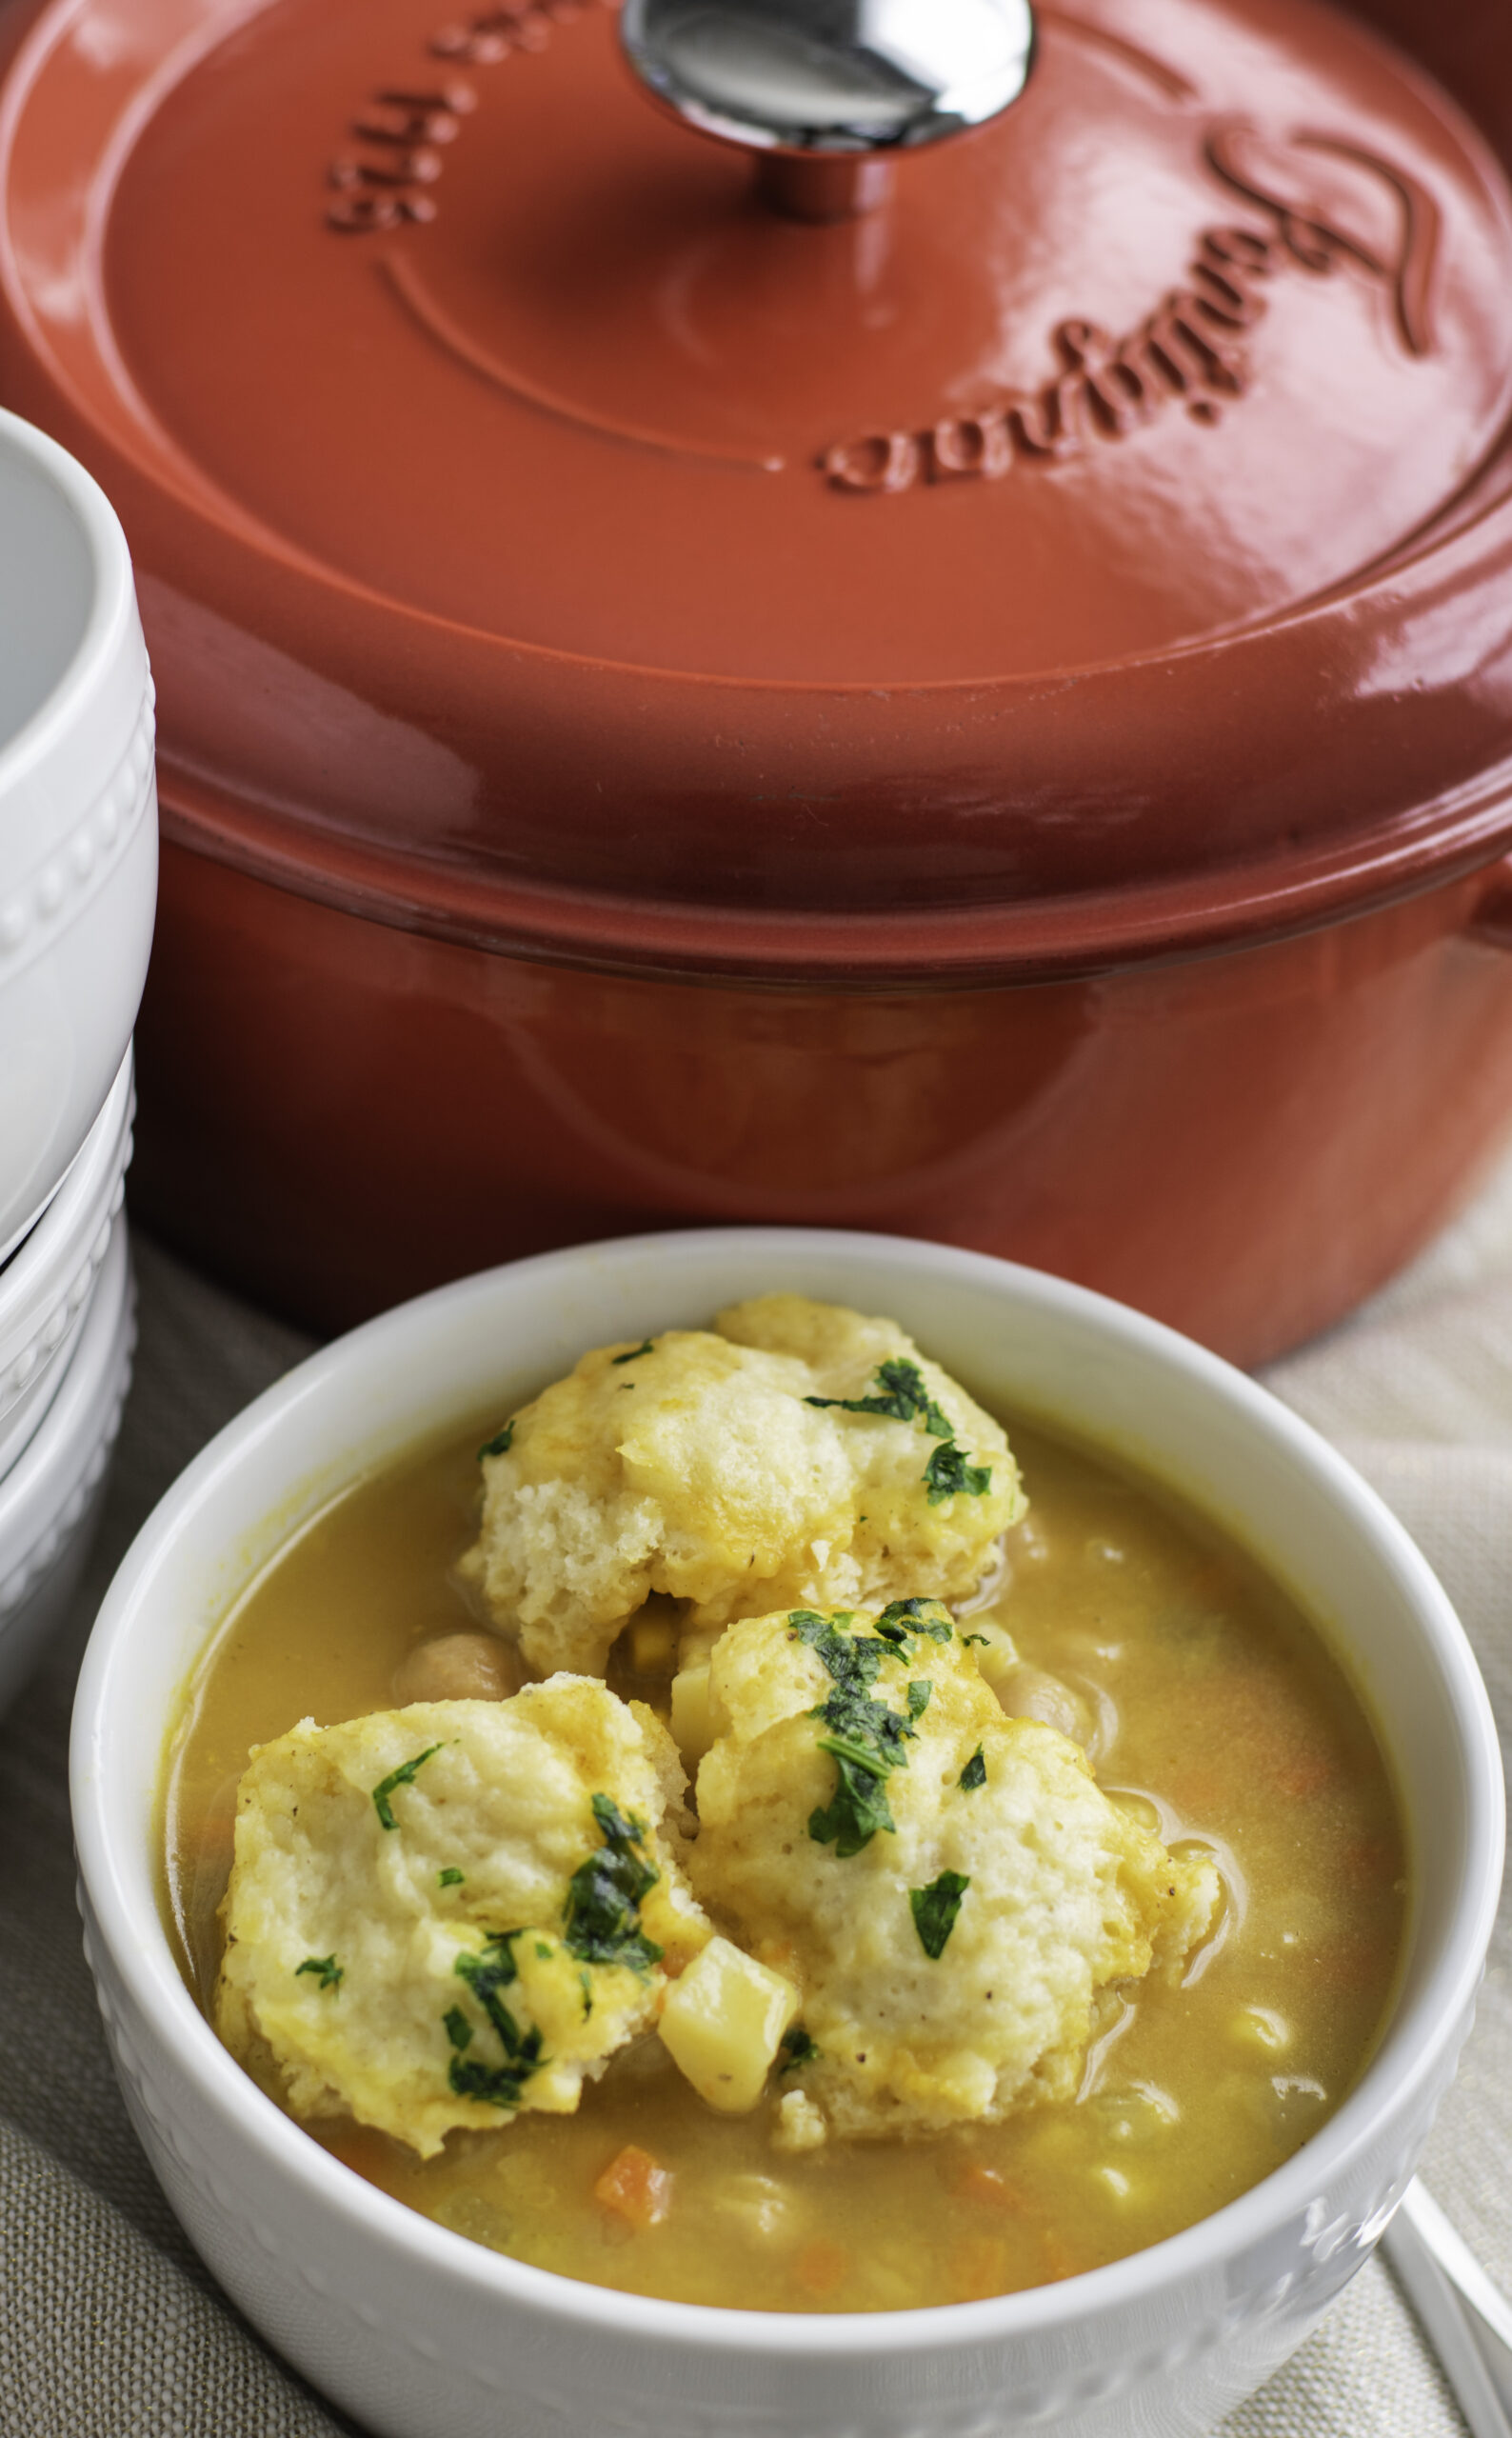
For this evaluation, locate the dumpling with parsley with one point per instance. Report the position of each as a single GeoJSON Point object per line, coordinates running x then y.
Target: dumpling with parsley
{"type": "Point", "coordinates": [441, 1916]}
{"type": "Point", "coordinates": [796, 1452]}
{"type": "Point", "coordinates": [947, 1889]}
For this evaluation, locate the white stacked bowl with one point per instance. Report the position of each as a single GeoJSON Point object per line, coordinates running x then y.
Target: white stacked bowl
{"type": "Point", "coordinates": [78, 882]}
{"type": "Point", "coordinates": [47, 1287]}
{"type": "Point", "coordinates": [49, 1499]}
{"type": "Point", "coordinates": [78, 816]}
{"type": "Point", "coordinates": [65, 1343]}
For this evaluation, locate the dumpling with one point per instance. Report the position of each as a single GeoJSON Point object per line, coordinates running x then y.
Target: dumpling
{"type": "Point", "coordinates": [441, 1916]}
{"type": "Point", "coordinates": [948, 1889]}
{"type": "Point", "coordinates": [796, 1452]}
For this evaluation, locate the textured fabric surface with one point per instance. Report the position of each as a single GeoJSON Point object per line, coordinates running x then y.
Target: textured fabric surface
{"type": "Point", "coordinates": [110, 2328]}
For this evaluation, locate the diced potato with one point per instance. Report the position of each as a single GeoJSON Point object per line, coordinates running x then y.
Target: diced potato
{"type": "Point", "coordinates": [653, 1646]}
{"type": "Point", "coordinates": [723, 2021]}
{"type": "Point", "coordinates": [763, 2208]}
{"type": "Point", "coordinates": [693, 1723]}
{"type": "Point", "coordinates": [996, 1649]}
{"type": "Point", "coordinates": [1259, 2027]}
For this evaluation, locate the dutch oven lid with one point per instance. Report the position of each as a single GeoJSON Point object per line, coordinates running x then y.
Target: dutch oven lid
{"type": "Point", "coordinates": [545, 533]}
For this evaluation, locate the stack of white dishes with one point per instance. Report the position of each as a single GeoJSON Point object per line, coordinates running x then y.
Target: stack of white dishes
{"type": "Point", "coordinates": [78, 880]}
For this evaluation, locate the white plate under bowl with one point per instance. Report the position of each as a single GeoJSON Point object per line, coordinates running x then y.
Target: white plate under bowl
{"type": "Point", "coordinates": [46, 1284]}
{"type": "Point", "coordinates": [78, 814]}
{"type": "Point", "coordinates": [49, 1499]}
{"type": "Point", "coordinates": [421, 2334]}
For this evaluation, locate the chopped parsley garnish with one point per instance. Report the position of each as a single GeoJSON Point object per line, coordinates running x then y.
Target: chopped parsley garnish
{"type": "Point", "coordinates": [331, 1974]}
{"type": "Point", "coordinates": [975, 1772]}
{"type": "Point", "coordinates": [450, 1877]}
{"type": "Point", "coordinates": [903, 1397]}
{"type": "Point", "coordinates": [500, 2086]}
{"type": "Point", "coordinates": [499, 1445]}
{"type": "Point", "coordinates": [542, 1952]}
{"type": "Point", "coordinates": [916, 1617]}
{"type": "Point", "coordinates": [585, 1985]}
{"type": "Point", "coordinates": [635, 1353]}
{"type": "Point", "coordinates": [403, 1776]}
{"type": "Point", "coordinates": [798, 2048]}
{"type": "Point", "coordinates": [865, 1739]}
{"type": "Point", "coordinates": [469, 2077]}
{"type": "Point", "coordinates": [982, 1639]}
{"type": "Point", "coordinates": [919, 1692]}
{"type": "Point", "coordinates": [951, 1470]}
{"type": "Point", "coordinates": [602, 1919]}
{"type": "Point", "coordinates": [935, 1908]}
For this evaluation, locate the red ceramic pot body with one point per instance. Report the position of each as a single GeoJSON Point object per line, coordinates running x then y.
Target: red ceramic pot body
{"type": "Point", "coordinates": [982, 720]}
{"type": "Point", "coordinates": [1243, 1144]}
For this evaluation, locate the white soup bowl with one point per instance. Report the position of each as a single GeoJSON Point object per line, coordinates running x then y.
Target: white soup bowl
{"type": "Point", "coordinates": [421, 2334]}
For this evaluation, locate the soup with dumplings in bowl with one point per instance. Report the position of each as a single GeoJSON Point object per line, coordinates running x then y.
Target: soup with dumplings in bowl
{"type": "Point", "coordinates": [750, 1827]}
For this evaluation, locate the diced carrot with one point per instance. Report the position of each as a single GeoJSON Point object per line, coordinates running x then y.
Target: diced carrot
{"type": "Point", "coordinates": [1303, 1774]}
{"type": "Point", "coordinates": [1197, 1792]}
{"type": "Point", "coordinates": [1373, 1858]}
{"type": "Point", "coordinates": [972, 2181]}
{"type": "Point", "coordinates": [1060, 2261]}
{"type": "Point", "coordinates": [822, 2266]}
{"type": "Point", "coordinates": [216, 1842]}
{"type": "Point", "coordinates": [635, 2188]}
{"type": "Point", "coordinates": [1345, 1965]}
{"type": "Point", "coordinates": [978, 2266]}
{"type": "Point", "coordinates": [1213, 1581]}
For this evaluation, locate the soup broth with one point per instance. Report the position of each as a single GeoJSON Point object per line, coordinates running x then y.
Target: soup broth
{"type": "Point", "coordinates": [1199, 1693]}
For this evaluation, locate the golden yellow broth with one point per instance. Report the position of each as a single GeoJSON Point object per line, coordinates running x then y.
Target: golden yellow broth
{"type": "Point", "coordinates": [1212, 1695]}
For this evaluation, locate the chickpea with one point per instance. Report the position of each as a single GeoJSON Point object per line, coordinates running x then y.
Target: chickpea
{"type": "Point", "coordinates": [458, 1667]}
{"type": "Point", "coordinates": [1031, 1693]}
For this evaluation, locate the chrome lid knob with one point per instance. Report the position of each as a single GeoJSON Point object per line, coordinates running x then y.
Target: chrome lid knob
{"type": "Point", "coordinates": [830, 81]}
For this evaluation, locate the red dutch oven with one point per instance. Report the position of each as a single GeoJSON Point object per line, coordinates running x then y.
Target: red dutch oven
{"type": "Point", "coordinates": [990, 717]}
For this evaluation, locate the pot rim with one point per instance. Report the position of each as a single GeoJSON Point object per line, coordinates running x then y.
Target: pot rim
{"type": "Point", "coordinates": [1398, 2086]}
{"type": "Point", "coordinates": [950, 946]}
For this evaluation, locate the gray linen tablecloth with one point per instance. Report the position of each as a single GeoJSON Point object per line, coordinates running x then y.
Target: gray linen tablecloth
{"type": "Point", "coordinates": [110, 2328]}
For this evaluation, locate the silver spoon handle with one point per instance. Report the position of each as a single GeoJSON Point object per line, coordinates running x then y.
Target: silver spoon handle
{"type": "Point", "coordinates": [1464, 2316]}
